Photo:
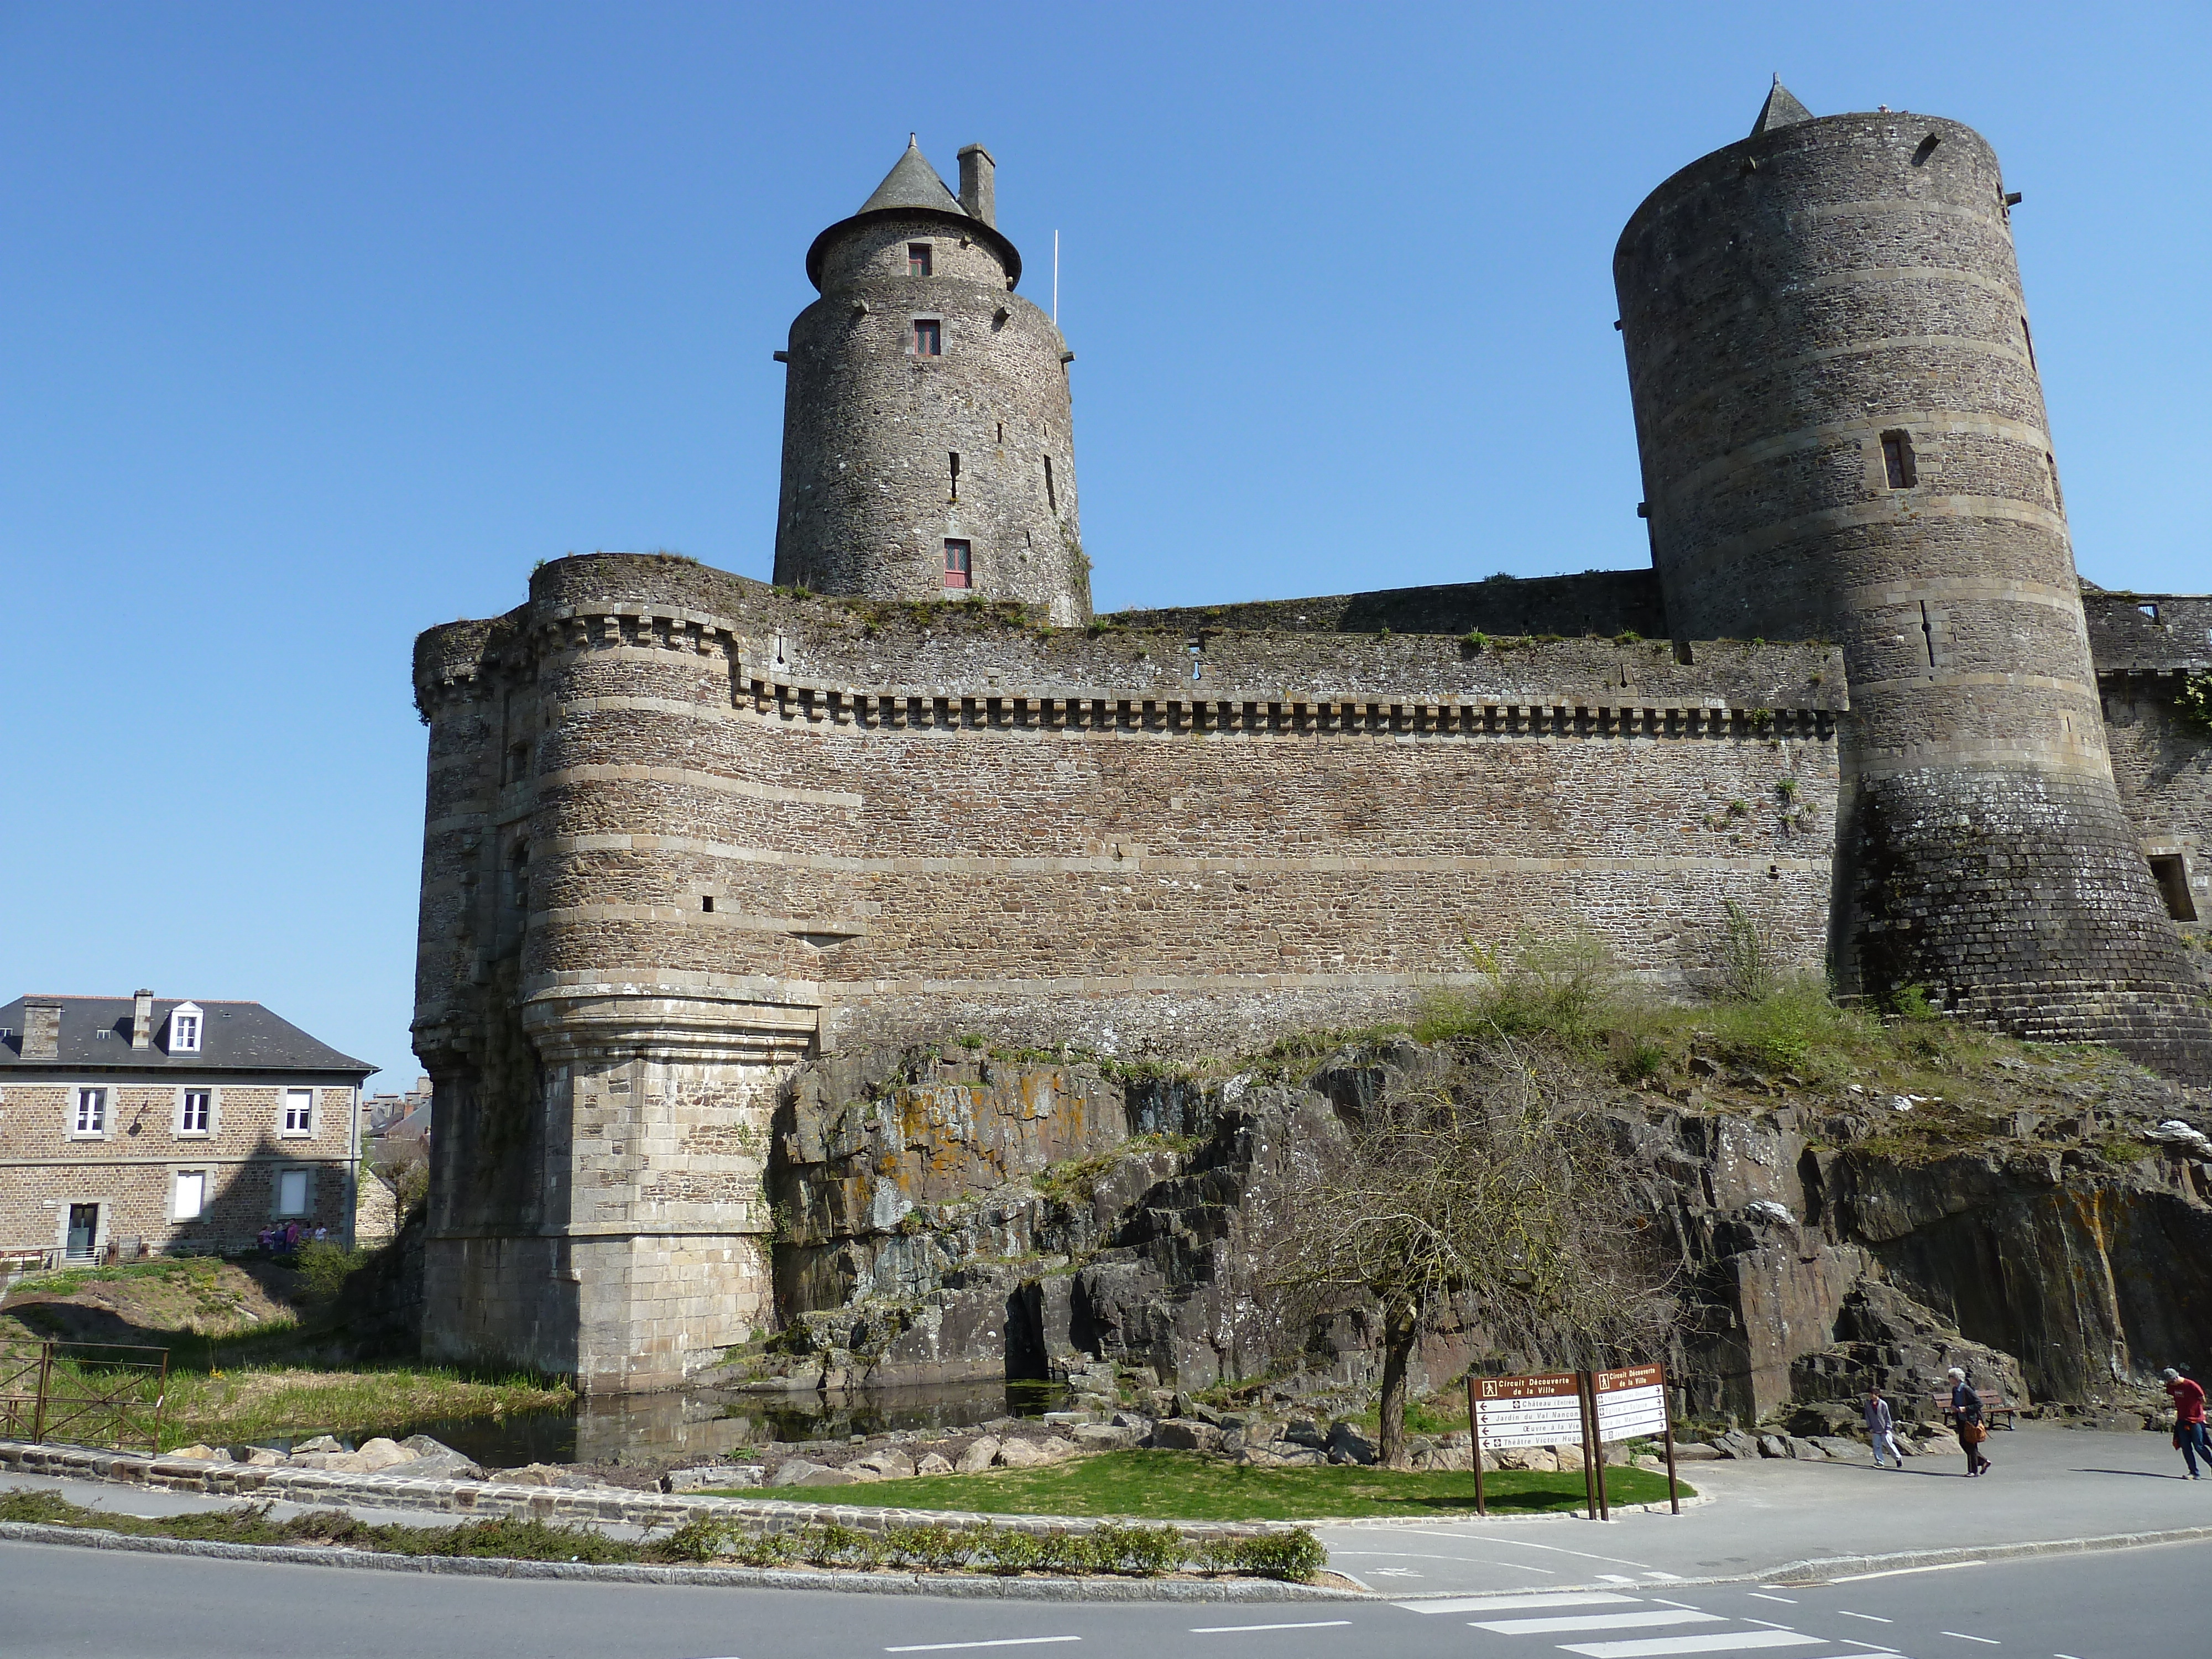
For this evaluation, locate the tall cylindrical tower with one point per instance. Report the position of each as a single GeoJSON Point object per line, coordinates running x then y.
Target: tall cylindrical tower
{"type": "Point", "coordinates": [1843, 434]}
{"type": "Point", "coordinates": [928, 448]}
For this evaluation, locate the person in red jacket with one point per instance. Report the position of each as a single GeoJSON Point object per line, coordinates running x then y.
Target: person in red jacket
{"type": "Point", "coordinates": [2189, 1432]}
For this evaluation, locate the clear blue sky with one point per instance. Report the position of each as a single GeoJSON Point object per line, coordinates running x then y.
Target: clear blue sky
{"type": "Point", "coordinates": [323, 322]}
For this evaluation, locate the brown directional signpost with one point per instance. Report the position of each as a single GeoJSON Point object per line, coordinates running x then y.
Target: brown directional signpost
{"type": "Point", "coordinates": [1630, 1404]}
{"type": "Point", "coordinates": [1545, 1410]}
{"type": "Point", "coordinates": [1557, 1408]}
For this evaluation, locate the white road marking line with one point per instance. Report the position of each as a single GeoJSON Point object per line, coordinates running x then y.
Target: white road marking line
{"type": "Point", "coordinates": [1664, 1602]}
{"type": "Point", "coordinates": [1986, 1641]}
{"type": "Point", "coordinates": [1510, 1603]}
{"type": "Point", "coordinates": [1231, 1630]}
{"type": "Point", "coordinates": [1612, 1578]}
{"type": "Point", "coordinates": [1671, 1577]}
{"type": "Point", "coordinates": [1789, 1600]}
{"type": "Point", "coordinates": [1871, 1647]}
{"type": "Point", "coordinates": [1462, 1561]}
{"type": "Point", "coordinates": [1595, 1621]}
{"type": "Point", "coordinates": [1872, 1618]}
{"type": "Point", "coordinates": [1003, 1642]}
{"type": "Point", "coordinates": [1518, 1544]}
{"type": "Point", "coordinates": [1657, 1647]}
{"type": "Point", "coordinates": [1900, 1573]}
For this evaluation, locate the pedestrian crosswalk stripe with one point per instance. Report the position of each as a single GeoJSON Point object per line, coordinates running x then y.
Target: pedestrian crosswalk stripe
{"type": "Point", "coordinates": [1599, 1621]}
{"type": "Point", "coordinates": [1508, 1603]}
{"type": "Point", "coordinates": [1729, 1641]}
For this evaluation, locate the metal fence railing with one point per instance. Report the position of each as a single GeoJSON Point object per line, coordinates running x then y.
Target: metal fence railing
{"type": "Point", "coordinates": [107, 1394]}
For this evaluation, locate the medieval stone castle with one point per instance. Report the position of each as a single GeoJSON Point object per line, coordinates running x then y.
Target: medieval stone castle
{"type": "Point", "coordinates": [686, 829]}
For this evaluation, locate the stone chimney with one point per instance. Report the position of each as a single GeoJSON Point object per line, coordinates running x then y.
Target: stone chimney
{"type": "Point", "coordinates": [979, 189]}
{"type": "Point", "coordinates": [142, 1020]}
{"type": "Point", "coordinates": [42, 1028]}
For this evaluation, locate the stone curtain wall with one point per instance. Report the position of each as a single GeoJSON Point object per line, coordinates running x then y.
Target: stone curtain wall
{"type": "Point", "coordinates": [913, 820]}
{"type": "Point", "coordinates": [1596, 602]}
{"type": "Point", "coordinates": [1786, 302]}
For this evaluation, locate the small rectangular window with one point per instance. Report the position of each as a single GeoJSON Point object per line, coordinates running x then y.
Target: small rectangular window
{"type": "Point", "coordinates": [192, 1195]}
{"type": "Point", "coordinates": [917, 258]}
{"type": "Point", "coordinates": [706, 904]}
{"type": "Point", "coordinates": [2172, 876]}
{"type": "Point", "coordinates": [929, 338]}
{"type": "Point", "coordinates": [187, 1029]}
{"type": "Point", "coordinates": [957, 570]}
{"type": "Point", "coordinates": [292, 1192]}
{"type": "Point", "coordinates": [92, 1111]}
{"type": "Point", "coordinates": [298, 1111]}
{"type": "Point", "coordinates": [197, 1103]}
{"type": "Point", "coordinates": [1051, 491]}
{"type": "Point", "coordinates": [1898, 461]}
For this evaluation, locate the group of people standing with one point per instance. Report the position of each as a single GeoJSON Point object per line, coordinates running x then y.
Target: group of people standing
{"type": "Point", "coordinates": [2191, 1436]}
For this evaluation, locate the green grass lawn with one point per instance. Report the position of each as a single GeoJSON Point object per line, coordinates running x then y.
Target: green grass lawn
{"type": "Point", "coordinates": [1173, 1485]}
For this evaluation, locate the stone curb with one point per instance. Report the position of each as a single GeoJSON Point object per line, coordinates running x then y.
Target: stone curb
{"type": "Point", "coordinates": [483, 1498]}
{"type": "Point", "coordinates": [1694, 1501]}
{"type": "Point", "coordinates": [1826, 1568]}
{"type": "Point", "coordinates": [978, 1587]}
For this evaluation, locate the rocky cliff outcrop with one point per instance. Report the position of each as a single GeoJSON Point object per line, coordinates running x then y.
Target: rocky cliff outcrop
{"type": "Point", "coordinates": [961, 1214]}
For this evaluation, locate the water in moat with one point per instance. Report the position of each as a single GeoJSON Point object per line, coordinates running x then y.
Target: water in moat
{"type": "Point", "coordinates": [684, 1424]}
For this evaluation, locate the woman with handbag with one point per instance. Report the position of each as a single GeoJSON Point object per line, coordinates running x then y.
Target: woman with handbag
{"type": "Point", "coordinates": [1966, 1417]}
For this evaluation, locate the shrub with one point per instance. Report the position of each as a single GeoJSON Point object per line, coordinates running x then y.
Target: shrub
{"type": "Point", "coordinates": [1007, 1550]}
{"type": "Point", "coordinates": [1294, 1555]}
{"type": "Point", "coordinates": [1145, 1551]}
{"type": "Point", "coordinates": [937, 1549]}
{"type": "Point", "coordinates": [327, 1265]}
{"type": "Point", "coordinates": [1065, 1552]}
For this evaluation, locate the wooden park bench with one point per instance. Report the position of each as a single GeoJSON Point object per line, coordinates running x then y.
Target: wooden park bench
{"type": "Point", "coordinates": [1996, 1412]}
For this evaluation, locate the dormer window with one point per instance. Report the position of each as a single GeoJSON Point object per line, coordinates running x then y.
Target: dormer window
{"type": "Point", "coordinates": [185, 1021]}
{"type": "Point", "coordinates": [918, 258]}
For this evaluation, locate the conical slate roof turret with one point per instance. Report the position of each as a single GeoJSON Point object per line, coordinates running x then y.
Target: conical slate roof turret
{"type": "Point", "coordinates": [913, 183]}
{"type": "Point", "coordinates": [912, 186]}
{"type": "Point", "coordinates": [1781, 109]}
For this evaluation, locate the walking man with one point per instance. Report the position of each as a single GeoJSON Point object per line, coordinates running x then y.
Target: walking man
{"type": "Point", "coordinates": [1966, 1417]}
{"type": "Point", "coordinates": [1882, 1429]}
{"type": "Point", "coordinates": [2189, 1434]}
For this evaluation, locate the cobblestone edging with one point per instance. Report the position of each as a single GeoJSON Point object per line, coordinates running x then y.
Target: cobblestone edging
{"type": "Point", "coordinates": [487, 1498]}
{"type": "Point", "coordinates": [977, 1588]}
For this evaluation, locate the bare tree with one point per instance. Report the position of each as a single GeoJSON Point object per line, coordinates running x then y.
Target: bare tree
{"type": "Point", "coordinates": [1478, 1187]}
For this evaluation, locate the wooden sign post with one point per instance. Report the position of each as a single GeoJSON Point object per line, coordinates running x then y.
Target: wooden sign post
{"type": "Point", "coordinates": [1629, 1404]}
{"type": "Point", "coordinates": [1504, 1412]}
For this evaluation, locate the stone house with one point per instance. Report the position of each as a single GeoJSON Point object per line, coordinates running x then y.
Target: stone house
{"type": "Point", "coordinates": [133, 1125]}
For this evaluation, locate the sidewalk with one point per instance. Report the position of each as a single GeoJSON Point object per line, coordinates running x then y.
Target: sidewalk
{"type": "Point", "coordinates": [2049, 1484]}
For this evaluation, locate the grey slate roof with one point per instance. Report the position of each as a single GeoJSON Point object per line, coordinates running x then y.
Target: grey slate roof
{"type": "Point", "coordinates": [913, 183]}
{"type": "Point", "coordinates": [1781, 109]}
{"type": "Point", "coordinates": [236, 1036]}
{"type": "Point", "coordinates": [914, 186]}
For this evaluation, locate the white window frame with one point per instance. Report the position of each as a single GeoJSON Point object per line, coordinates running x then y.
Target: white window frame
{"type": "Point", "coordinates": [177, 1180]}
{"type": "Point", "coordinates": [98, 1131]}
{"type": "Point", "coordinates": [283, 1173]}
{"type": "Point", "coordinates": [186, 1039]}
{"type": "Point", "coordinates": [305, 1131]}
{"type": "Point", "coordinates": [184, 1129]}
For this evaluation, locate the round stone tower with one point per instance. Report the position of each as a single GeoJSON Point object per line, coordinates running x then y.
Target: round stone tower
{"type": "Point", "coordinates": [928, 451]}
{"type": "Point", "coordinates": [1843, 435]}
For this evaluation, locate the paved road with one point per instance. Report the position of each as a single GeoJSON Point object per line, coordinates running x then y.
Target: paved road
{"type": "Point", "coordinates": [2048, 1483]}
{"type": "Point", "coordinates": [58, 1601]}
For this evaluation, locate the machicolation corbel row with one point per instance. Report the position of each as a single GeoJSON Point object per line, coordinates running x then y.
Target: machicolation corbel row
{"type": "Point", "coordinates": [686, 828]}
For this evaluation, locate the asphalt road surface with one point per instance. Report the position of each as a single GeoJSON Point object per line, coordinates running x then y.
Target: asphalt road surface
{"type": "Point", "coordinates": [56, 1599]}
